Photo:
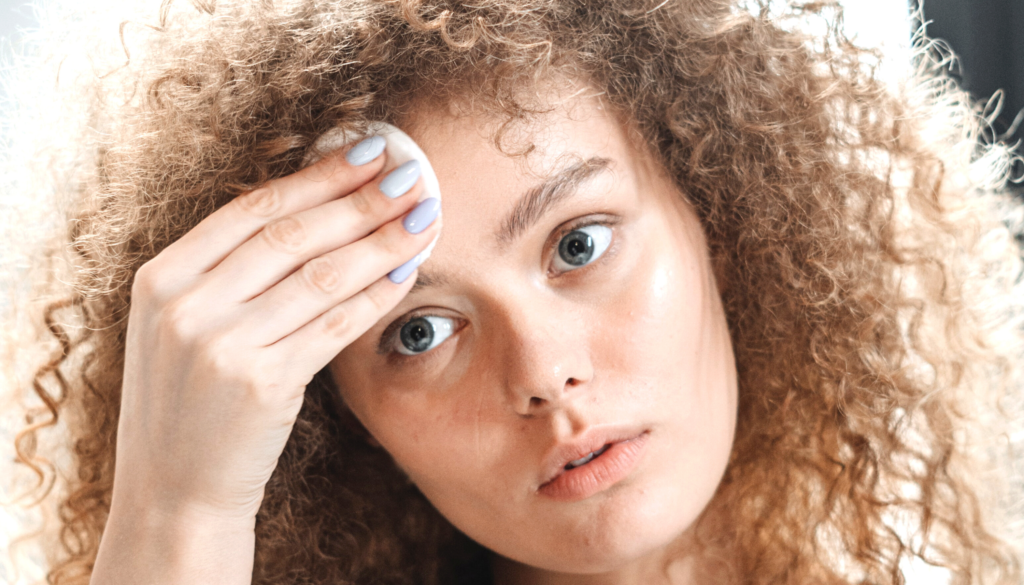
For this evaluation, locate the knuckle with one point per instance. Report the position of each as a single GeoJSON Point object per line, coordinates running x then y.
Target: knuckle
{"type": "Point", "coordinates": [337, 321]}
{"type": "Point", "coordinates": [146, 282]}
{"type": "Point", "coordinates": [321, 274]}
{"type": "Point", "coordinates": [180, 319]}
{"type": "Point", "coordinates": [218, 356]}
{"type": "Point", "coordinates": [286, 234]}
{"type": "Point", "coordinates": [264, 391]}
{"type": "Point", "coordinates": [379, 299]}
{"type": "Point", "coordinates": [224, 359]}
{"type": "Point", "coordinates": [363, 202]}
{"type": "Point", "coordinates": [393, 241]}
{"type": "Point", "coordinates": [262, 202]}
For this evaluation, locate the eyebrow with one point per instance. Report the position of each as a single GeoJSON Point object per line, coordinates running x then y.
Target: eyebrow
{"type": "Point", "coordinates": [426, 280]}
{"type": "Point", "coordinates": [540, 198]}
{"type": "Point", "coordinates": [537, 201]}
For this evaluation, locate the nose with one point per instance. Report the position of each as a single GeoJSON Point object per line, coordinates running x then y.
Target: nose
{"type": "Point", "coordinates": [547, 358]}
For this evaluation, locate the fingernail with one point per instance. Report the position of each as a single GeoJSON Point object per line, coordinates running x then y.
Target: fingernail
{"type": "Point", "coordinates": [398, 275]}
{"type": "Point", "coordinates": [401, 179]}
{"type": "Point", "coordinates": [422, 215]}
{"type": "Point", "coordinates": [367, 150]}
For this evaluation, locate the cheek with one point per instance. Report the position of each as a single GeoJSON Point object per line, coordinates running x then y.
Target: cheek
{"type": "Point", "coordinates": [672, 350]}
{"type": "Point", "coordinates": [653, 338]}
{"type": "Point", "coordinates": [442, 439]}
{"type": "Point", "coordinates": [451, 433]}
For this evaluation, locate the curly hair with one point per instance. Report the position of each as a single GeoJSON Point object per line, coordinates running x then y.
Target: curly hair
{"type": "Point", "coordinates": [868, 283]}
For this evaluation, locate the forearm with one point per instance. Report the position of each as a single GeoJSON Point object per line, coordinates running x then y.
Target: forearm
{"type": "Point", "coordinates": [140, 547]}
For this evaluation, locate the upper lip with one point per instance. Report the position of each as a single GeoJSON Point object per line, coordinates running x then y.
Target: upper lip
{"type": "Point", "coordinates": [583, 444]}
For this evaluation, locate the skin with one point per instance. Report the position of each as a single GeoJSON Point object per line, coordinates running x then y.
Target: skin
{"type": "Point", "coordinates": [229, 324]}
{"type": "Point", "coordinates": [227, 327]}
{"type": "Point", "coordinates": [638, 337]}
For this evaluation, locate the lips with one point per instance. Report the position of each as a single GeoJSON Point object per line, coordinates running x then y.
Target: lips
{"type": "Point", "coordinates": [579, 451]}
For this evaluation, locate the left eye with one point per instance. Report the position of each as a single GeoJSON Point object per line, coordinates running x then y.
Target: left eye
{"type": "Point", "coordinates": [423, 334]}
{"type": "Point", "coordinates": [581, 246]}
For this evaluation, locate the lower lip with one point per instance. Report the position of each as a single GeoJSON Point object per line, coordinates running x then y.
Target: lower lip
{"type": "Point", "coordinates": [599, 474]}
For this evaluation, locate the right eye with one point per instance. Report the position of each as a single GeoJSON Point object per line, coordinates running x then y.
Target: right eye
{"type": "Point", "coordinates": [422, 334]}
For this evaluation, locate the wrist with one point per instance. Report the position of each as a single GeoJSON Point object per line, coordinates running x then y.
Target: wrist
{"type": "Point", "coordinates": [144, 543]}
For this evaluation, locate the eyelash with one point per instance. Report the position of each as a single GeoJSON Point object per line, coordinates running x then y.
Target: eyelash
{"type": "Point", "coordinates": [390, 334]}
{"type": "Point", "coordinates": [557, 236]}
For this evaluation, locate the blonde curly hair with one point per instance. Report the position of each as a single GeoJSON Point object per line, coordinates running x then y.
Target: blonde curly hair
{"type": "Point", "coordinates": [870, 278]}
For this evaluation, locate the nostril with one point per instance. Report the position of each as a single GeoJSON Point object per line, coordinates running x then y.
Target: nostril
{"type": "Point", "coordinates": [534, 401]}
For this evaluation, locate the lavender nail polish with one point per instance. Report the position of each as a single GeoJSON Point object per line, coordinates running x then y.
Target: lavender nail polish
{"type": "Point", "coordinates": [401, 179]}
{"type": "Point", "coordinates": [422, 215]}
{"type": "Point", "coordinates": [398, 275]}
{"type": "Point", "coordinates": [367, 150]}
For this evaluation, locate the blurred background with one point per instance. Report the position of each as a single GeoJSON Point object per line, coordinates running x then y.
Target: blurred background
{"type": "Point", "coordinates": [988, 38]}
{"type": "Point", "coordinates": [986, 35]}
{"type": "Point", "coordinates": [14, 14]}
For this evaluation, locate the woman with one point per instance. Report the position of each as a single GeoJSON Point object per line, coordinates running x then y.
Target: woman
{"type": "Point", "coordinates": [705, 307]}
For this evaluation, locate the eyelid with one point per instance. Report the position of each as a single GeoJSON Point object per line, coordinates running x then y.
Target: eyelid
{"type": "Point", "coordinates": [442, 330]}
{"type": "Point", "coordinates": [609, 221]}
{"type": "Point", "coordinates": [575, 224]}
{"type": "Point", "coordinates": [390, 333]}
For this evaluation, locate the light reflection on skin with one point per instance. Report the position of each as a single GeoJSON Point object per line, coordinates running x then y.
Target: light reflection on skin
{"type": "Point", "coordinates": [637, 336]}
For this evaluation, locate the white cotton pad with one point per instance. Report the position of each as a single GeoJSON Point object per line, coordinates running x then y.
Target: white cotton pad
{"type": "Point", "coordinates": [400, 148]}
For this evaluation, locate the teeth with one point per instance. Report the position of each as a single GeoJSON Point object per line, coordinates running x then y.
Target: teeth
{"type": "Point", "coordinates": [586, 459]}
{"type": "Point", "coordinates": [580, 461]}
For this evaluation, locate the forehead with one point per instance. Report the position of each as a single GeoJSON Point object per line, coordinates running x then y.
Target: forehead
{"type": "Point", "coordinates": [480, 184]}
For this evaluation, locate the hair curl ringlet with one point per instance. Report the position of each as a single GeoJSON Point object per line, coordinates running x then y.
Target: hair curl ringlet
{"type": "Point", "coordinates": [867, 275]}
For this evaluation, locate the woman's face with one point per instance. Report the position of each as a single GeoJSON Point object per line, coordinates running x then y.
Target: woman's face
{"type": "Point", "coordinates": [570, 305]}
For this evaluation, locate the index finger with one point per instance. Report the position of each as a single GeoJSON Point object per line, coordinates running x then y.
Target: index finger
{"type": "Point", "coordinates": [224, 230]}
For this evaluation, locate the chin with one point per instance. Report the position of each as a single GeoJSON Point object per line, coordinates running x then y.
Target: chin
{"type": "Point", "coordinates": [636, 523]}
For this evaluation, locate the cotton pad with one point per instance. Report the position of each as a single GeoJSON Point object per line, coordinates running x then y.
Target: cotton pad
{"type": "Point", "coordinates": [400, 148]}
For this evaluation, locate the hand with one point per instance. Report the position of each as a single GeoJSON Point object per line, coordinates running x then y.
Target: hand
{"type": "Point", "coordinates": [229, 324]}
